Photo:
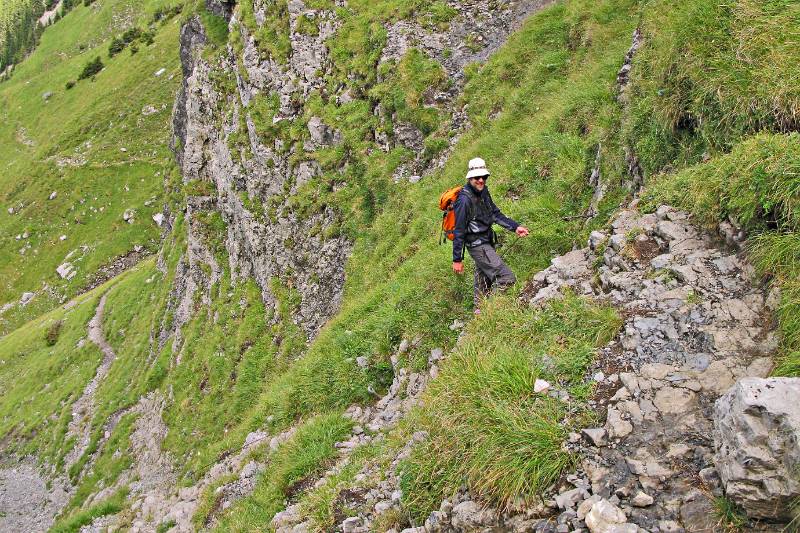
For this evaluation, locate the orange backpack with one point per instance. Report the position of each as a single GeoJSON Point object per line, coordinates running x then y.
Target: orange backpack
{"type": "Point", "coordinates": [447, 202]}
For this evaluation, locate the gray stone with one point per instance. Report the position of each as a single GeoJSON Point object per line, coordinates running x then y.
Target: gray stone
{"type": "Point", "coordinates": [597, 436]}
{"type": "Point", "coordinates": [470, 514]}
{"type": "Point", "coordinates": [672, 400]}
{"type": "Point", "coordinates": [596, 238]}
{"type": "Point", "coordinates": [568, 499]}
{"type": "Point", "coordinates": [321, 133]}
{"type": "Point", "coordinates": [616, 426]}
{"type": "Point", "coordinates": [604, 517]}
{"type": "Point", "coordinates": [352, 524]}
{"type": "Point", "coordinates": [757, 450]}
{"type": "Point", "coordinates": [26, 297]}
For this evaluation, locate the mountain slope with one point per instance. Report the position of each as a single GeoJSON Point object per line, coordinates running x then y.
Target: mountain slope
{"type": "Point", "coordinates": [70, 142]}
{"type": "Point", "coordinates": [271, 364]}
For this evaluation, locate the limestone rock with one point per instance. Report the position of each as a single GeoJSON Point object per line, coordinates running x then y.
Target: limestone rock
{"type": "Point", "coordinates": [66, 270]}
{"type": "Point", "coordinates": [642, 500]}
{"type": "Point", "coordinates": [605, 517]}
{"type": "Point", "coordinates": [469, 514]}
{"type": "Point", "coordinates": [757, 453]}
{"type": "Point", "coordinates": [540, 385]}
{"type": "Point", "coordinates": [597, 436]}
{"type": "Point", "coordinates": [672, 400]}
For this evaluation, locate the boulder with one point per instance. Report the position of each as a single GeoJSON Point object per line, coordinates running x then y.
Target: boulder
{"type": "Point", "coordinates": [757, 453]}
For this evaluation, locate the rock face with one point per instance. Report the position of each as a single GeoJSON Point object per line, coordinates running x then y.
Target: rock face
{"type": "Point", "coordinates": [756, 433]}
{"type": "Point", "coordinates": [246, 183]}
{"type": "Point", "coordinates": [250, 179]}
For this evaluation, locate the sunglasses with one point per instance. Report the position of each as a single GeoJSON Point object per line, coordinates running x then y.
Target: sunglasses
{"type": "Point", "coordinates": [482, 178]}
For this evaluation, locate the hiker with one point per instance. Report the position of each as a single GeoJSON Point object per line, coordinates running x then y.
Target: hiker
{"type": "Point", "coordinates": [475, 212]}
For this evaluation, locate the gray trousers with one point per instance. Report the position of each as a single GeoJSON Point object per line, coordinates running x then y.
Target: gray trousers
{"type": "Point", "coordinates": [491, 273]}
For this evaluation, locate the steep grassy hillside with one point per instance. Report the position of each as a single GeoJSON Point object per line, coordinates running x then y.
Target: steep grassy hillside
{"type": "Point", "coordinates": [101, 146]}
{"type": "Point", "coordinates": [713, 130]}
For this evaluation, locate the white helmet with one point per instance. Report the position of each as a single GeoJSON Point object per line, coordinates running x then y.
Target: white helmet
{"type": "Point", "coordinates": [477, 167]}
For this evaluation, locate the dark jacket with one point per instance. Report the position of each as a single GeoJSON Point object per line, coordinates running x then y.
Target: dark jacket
{"type": "Point", "coordinates": [475, 214]}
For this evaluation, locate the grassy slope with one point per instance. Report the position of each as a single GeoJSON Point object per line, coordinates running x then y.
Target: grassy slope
{"type": "Point", "coordinates": [553, 87]}
{"type": "Point", "coordinates": [232, 369]}
{"type": "Point", "coordinates": [718, 105]}
{"type": "Point", "coordinates": [91, 122]}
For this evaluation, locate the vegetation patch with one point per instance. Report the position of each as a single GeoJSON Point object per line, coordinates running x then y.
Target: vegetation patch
{"type": "Point", "coordinates": [486, 426]}
{"type": "Point", "coordinates": [305, 454]}
{"type": "Point", "coordinates": [710, 73]}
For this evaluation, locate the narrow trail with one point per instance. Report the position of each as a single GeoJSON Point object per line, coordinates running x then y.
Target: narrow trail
{"type": "Point", "coordinates": [83, 409]}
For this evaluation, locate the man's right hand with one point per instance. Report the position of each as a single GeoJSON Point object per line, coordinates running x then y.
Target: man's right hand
{"type": "Point", "coordinates": [458, 267]}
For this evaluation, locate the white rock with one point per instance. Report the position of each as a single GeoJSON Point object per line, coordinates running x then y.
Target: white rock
{"type": "Point", "coordinates": [540, 385]}
{"type": "Point", "coordinates": [62, 238]}
{"type": "Point", "coordinates": [642, 500]}
{"type": "Point", "coordinates": [26, 297]}
{"type": "Point", "coordinates": [160, 71]}
{"type": "Point", "coordinates": [757, 450]}
{"type": "Point", "coordinates": [352, 524]}
{"type": "Point", "coordinates": [158, 218]}
{"type": "Point", "coordinates": [604, 516]}
{"type": "Point", "coordinates": [52, 195]}
{"type": "Point", "coordinates": [362, 361]}
{"type": "Point", "coordinates": [64, 270]}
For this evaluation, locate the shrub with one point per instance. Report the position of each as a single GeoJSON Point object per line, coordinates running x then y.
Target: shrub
{"type": "Point", "coordinates": [53, 332]}
{"type": "Point", "coordinates": [91, 68]}
{"type": "Point", "coordinates": [117, 45]}
{"type": "Point", "coordinates": [69, 85]}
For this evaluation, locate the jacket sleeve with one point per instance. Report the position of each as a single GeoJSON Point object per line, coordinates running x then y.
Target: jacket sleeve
{"type": "Point", "coordinates": [499, 218]}
{"type": "Point", "coordinates": [459, 233]}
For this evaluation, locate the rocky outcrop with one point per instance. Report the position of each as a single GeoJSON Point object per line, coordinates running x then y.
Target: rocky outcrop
{"type": "Point", "coordinates": [756, 432]}
{"type": "Point", "coordinates": [279, 245]}
{"type": "Point", "coordinates": [694, 323]}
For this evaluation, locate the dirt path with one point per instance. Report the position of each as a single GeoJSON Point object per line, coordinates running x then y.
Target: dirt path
{"type": "Point", "coordinates": [83, 409]}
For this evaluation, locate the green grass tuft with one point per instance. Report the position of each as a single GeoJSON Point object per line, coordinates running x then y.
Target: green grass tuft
{"type": "Point", "coordinates": [486, 426]}
{"type": "Point", "coordinates": [304, 455]}
{"type": "Point", "coordinates": [710, 73]}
